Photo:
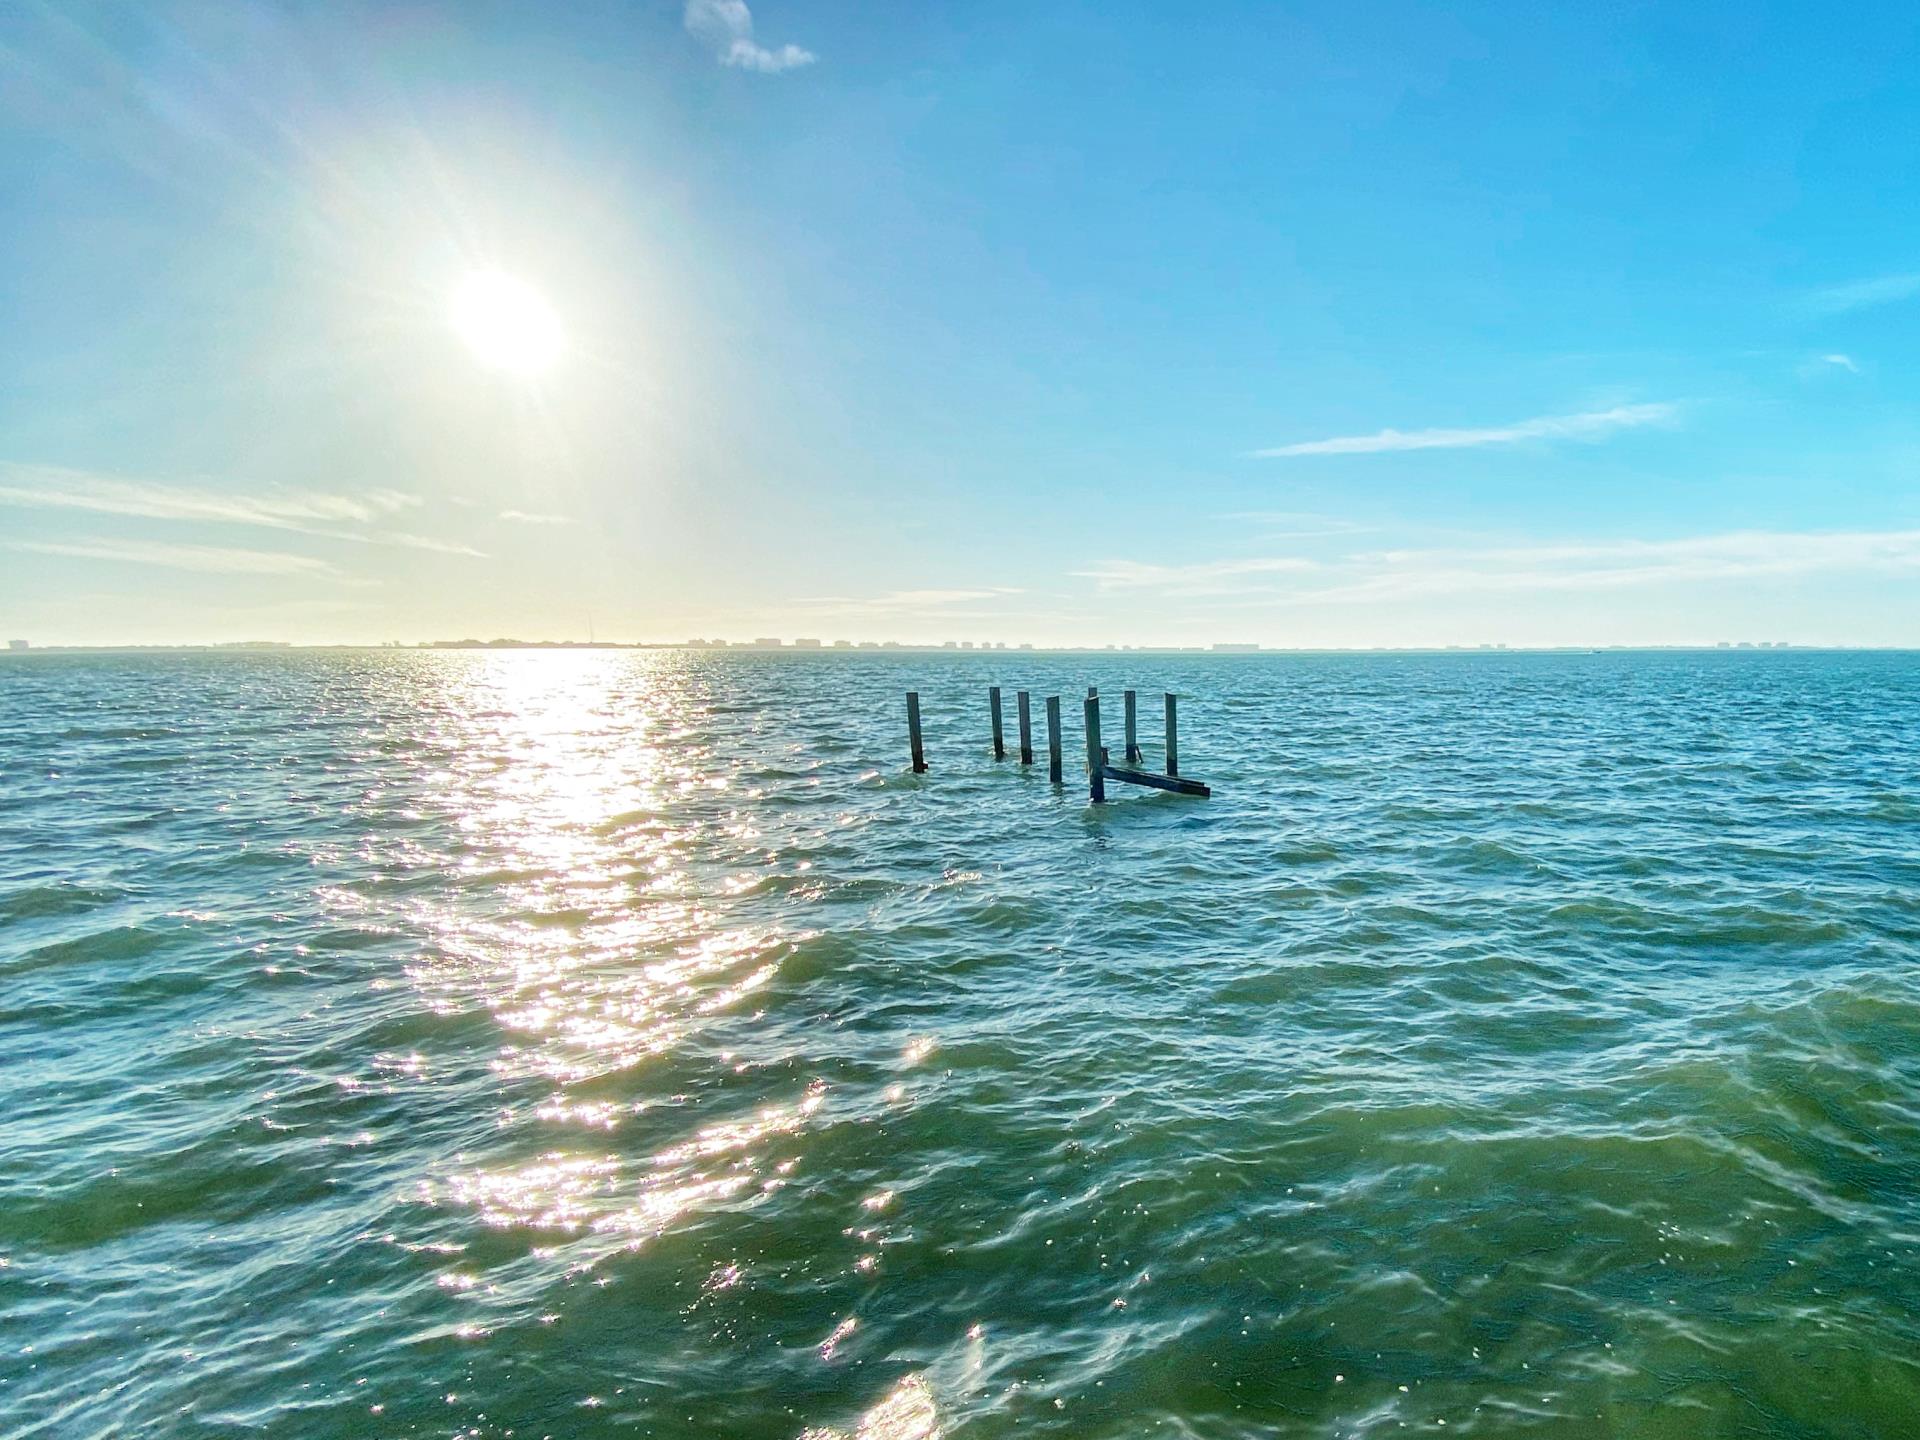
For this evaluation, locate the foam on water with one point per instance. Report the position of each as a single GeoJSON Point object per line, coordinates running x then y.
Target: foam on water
{"type": "Point", "coordinates": [625, 1043]}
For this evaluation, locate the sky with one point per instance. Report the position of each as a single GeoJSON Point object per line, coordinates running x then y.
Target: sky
{"type": "Point", "coordinates": [1305, 324]}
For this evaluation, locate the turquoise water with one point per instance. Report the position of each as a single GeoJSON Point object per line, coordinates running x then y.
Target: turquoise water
{"type": "Point", "coordinates": [624, 1044]}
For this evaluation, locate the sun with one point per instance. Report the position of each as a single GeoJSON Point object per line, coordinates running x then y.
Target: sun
{"type": "Point", "coordinates": [506, 323]}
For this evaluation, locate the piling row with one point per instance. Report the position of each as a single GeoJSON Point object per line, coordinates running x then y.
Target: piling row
{"type": "Point", "coordinates": [1100, 766]}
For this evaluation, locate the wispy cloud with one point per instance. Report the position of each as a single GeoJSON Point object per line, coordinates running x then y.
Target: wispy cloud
{"type": "Point", "coordinates": [1734, 555]}
{"type": "Point", "coordinates": [54, 485]}
{"type": "Point", "coordinates": [1842, 362]}
{"type": "Point", "coordinates": [1591, 425]}
{"type": "Point", "coordinates": [902, 601]}
{"type": "Point", "coordinates": [300, 511]}
{"type": "Point", "coordinates": [1212, 577]}
{"type": "Point", "coordinates": [529, 517]}
{"type": "Point", "coordinates": [1863, 294]}
{"type": "Point", "coordinates": [1431, 572]}
{"type": "Point", "coordinates": [1293, 524]}
{"type": "Point", "coordinates": [727, 27]}
{"type": "Point", "coordinates": [206, 559]}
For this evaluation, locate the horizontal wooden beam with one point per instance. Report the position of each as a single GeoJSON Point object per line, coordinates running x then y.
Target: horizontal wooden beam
{"type": "Point", "coordinates": [1174, 783]}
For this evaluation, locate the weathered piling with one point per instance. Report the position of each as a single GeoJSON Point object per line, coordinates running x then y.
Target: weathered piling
{"type": "Point", "coordinates": [1053, 738]}
{"type": "Point", "coordinates": [993, 703]}
{"type": "Point", "coordinates": [1096, 752]}
{"type": "Point", "coordinates": [1133, 740]}
{"type": "Point", "coordinates": [1026, 727]}
{"type": "Point", "coordinates": [1173, 739]}
{"type": "Point", "coordinates": [913, 732]}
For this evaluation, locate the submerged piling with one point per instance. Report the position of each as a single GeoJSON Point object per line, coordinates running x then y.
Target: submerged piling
{"type": "Point", "coordinates": [1026, 728]}
{"type": "Point", "coordinates": [1096, 752]}
{"type": "Point", "coordinates": [913, 732]}
{"type": "Point", "coordinates": [993, 703]}
{"type": "Point", "coordinates": [1053, 738]}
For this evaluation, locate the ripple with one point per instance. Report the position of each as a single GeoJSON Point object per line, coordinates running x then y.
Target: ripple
{"type": "Point", "coordinates": [625, 1043]}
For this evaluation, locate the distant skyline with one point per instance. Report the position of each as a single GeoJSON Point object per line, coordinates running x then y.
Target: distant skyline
{"type": "Point", "coordinates": [1310, 326]}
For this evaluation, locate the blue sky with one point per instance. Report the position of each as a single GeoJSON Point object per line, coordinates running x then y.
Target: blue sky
{"type": "Point", "coordinates": [1301, 324]}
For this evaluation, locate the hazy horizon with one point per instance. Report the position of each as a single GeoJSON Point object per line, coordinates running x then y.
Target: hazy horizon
{"type": "Point", "coordinates": [1309, 328]}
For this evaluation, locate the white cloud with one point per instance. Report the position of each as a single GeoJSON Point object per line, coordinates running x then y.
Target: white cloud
{"type": "Point", "coordinates": [727, 26]}
{"type": "Point", "coordinates": [1736, 555]}
{"type": "Point", "coordinates": [205, 559]}
{"type": "Point", "coordinates": [896, 601]}
{"type": "Point", "coordinates": [1396, 575]}
{"type": "Point", "coordinates": [1844, 362]}
{"type": "Point", "coordinates": [1863, 294]}
{"type": "Point", "coordinates": [1593, 425]}
{"type": "Point", "coordinates": [528, 517]}
{"type": "Point", "coordinates": [1212, 577]}
{"type": "Point", "coordinates": [304, 512]}
{"type": "Point", "coordinates": [54, 485]}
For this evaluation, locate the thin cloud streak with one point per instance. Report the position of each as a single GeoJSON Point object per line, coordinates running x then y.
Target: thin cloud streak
{"type": "Point", "coordinates": [727, 27]}
{"type": "Point", "coordinates": [901, 601]}
{"type": "Point", "coordinates": [56, 486]}
{"type": "Point", "coordinates": [53, 487]}
{"type": "Point", "coordinates": [1863, 294]}
{"type": "Point", "coordinates": [528, 517]}
{"type": "Point", "coordinates": [1215, 577]}
{"type": "Point", "coordinates": [1592, 425]}
{"type": "Point", "coordinates": [1396, 575]}
{"type": "Point", "coordinates": [205, 559]}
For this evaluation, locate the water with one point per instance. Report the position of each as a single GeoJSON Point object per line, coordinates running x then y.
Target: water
{"type": "Point", "coordinates": [623, 1044]}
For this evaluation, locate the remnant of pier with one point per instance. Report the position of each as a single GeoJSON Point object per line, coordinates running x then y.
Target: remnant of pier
{"type": "Point", "coordinates": [1100, 766]}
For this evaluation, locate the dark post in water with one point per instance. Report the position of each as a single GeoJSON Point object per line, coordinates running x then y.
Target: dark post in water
{"type": "Point", "coordinates": [913, 732]}
{"type": "Point", "coordinates": [993, 703]}
{"type": "Point", "coordinates": [1026, 728]}
{"type": "Point", "coordinates": [1053, 738]}
{"type": "Point", "coordinates": [1096, 753]}
{"type": "Point", "coordinates": [1173, 740]}
{"type": "Point", "coordinates": [1133, 740]}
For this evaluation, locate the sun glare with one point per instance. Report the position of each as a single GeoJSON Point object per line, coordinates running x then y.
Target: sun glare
{"type": "Point", "coordinates": [506, 323]}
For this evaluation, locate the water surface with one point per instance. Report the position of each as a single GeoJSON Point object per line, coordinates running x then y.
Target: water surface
{"type": "Point", "coordinates": [625, 1044]}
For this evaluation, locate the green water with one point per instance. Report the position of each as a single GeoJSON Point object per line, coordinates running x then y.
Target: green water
{"type": "Point", "coordinates": [626, 1044]}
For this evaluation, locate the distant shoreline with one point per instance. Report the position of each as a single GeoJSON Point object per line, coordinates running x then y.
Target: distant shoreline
{"type": "Point", "coordinates": [849, 651]}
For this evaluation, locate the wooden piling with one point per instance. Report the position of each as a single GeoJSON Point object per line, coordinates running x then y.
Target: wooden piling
{"type": "Point", "coordinates": [1026, 727]}
{"type": "Point", "coordinates": [1053, 738]}
{"type": "Point", "coordinates": [1096, 753]}
{"type": "Point", "coordinates": [1133, 740]}
{"type": "Point", "coordinates": [993, 703]}
{"type": "Point", "coordinates": [1173, 738]}
{"type": "Point", "coordinates": [913, 732]}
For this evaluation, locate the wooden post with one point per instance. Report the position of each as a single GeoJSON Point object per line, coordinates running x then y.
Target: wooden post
{"type": "Point", "coordinates": [913, 732]}
{"type": "Point", "coordinates": [1133, 740]}
{"type": "Point", "coordinates": [1173, 739]}
{"type": "Point", "coordinates": [1053, 738]}
{"type": "Point", "coordinates": [1096, 753]}
{"type": "Point", "coordinates": [993, 703]}
{"type": "Point", "coordinates": [1026, 728]}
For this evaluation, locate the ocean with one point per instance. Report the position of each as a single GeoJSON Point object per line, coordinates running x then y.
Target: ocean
{"type": "Point", "coordinates": [626, 1043]}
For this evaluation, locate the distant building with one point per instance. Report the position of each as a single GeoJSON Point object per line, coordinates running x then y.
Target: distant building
{"type": "Point", "coordinates": [1026, 647]}
{"type": "Point", "coordinates": [18, 645]}
{"type": "Point", "coordinates": [805, 644]}
{"type": "Point", "coordinates": [843, 644]}
{"type": "Point", "coordinates": [1226, 649]}
{"type": "Point", "coordinates": [767, 642]}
